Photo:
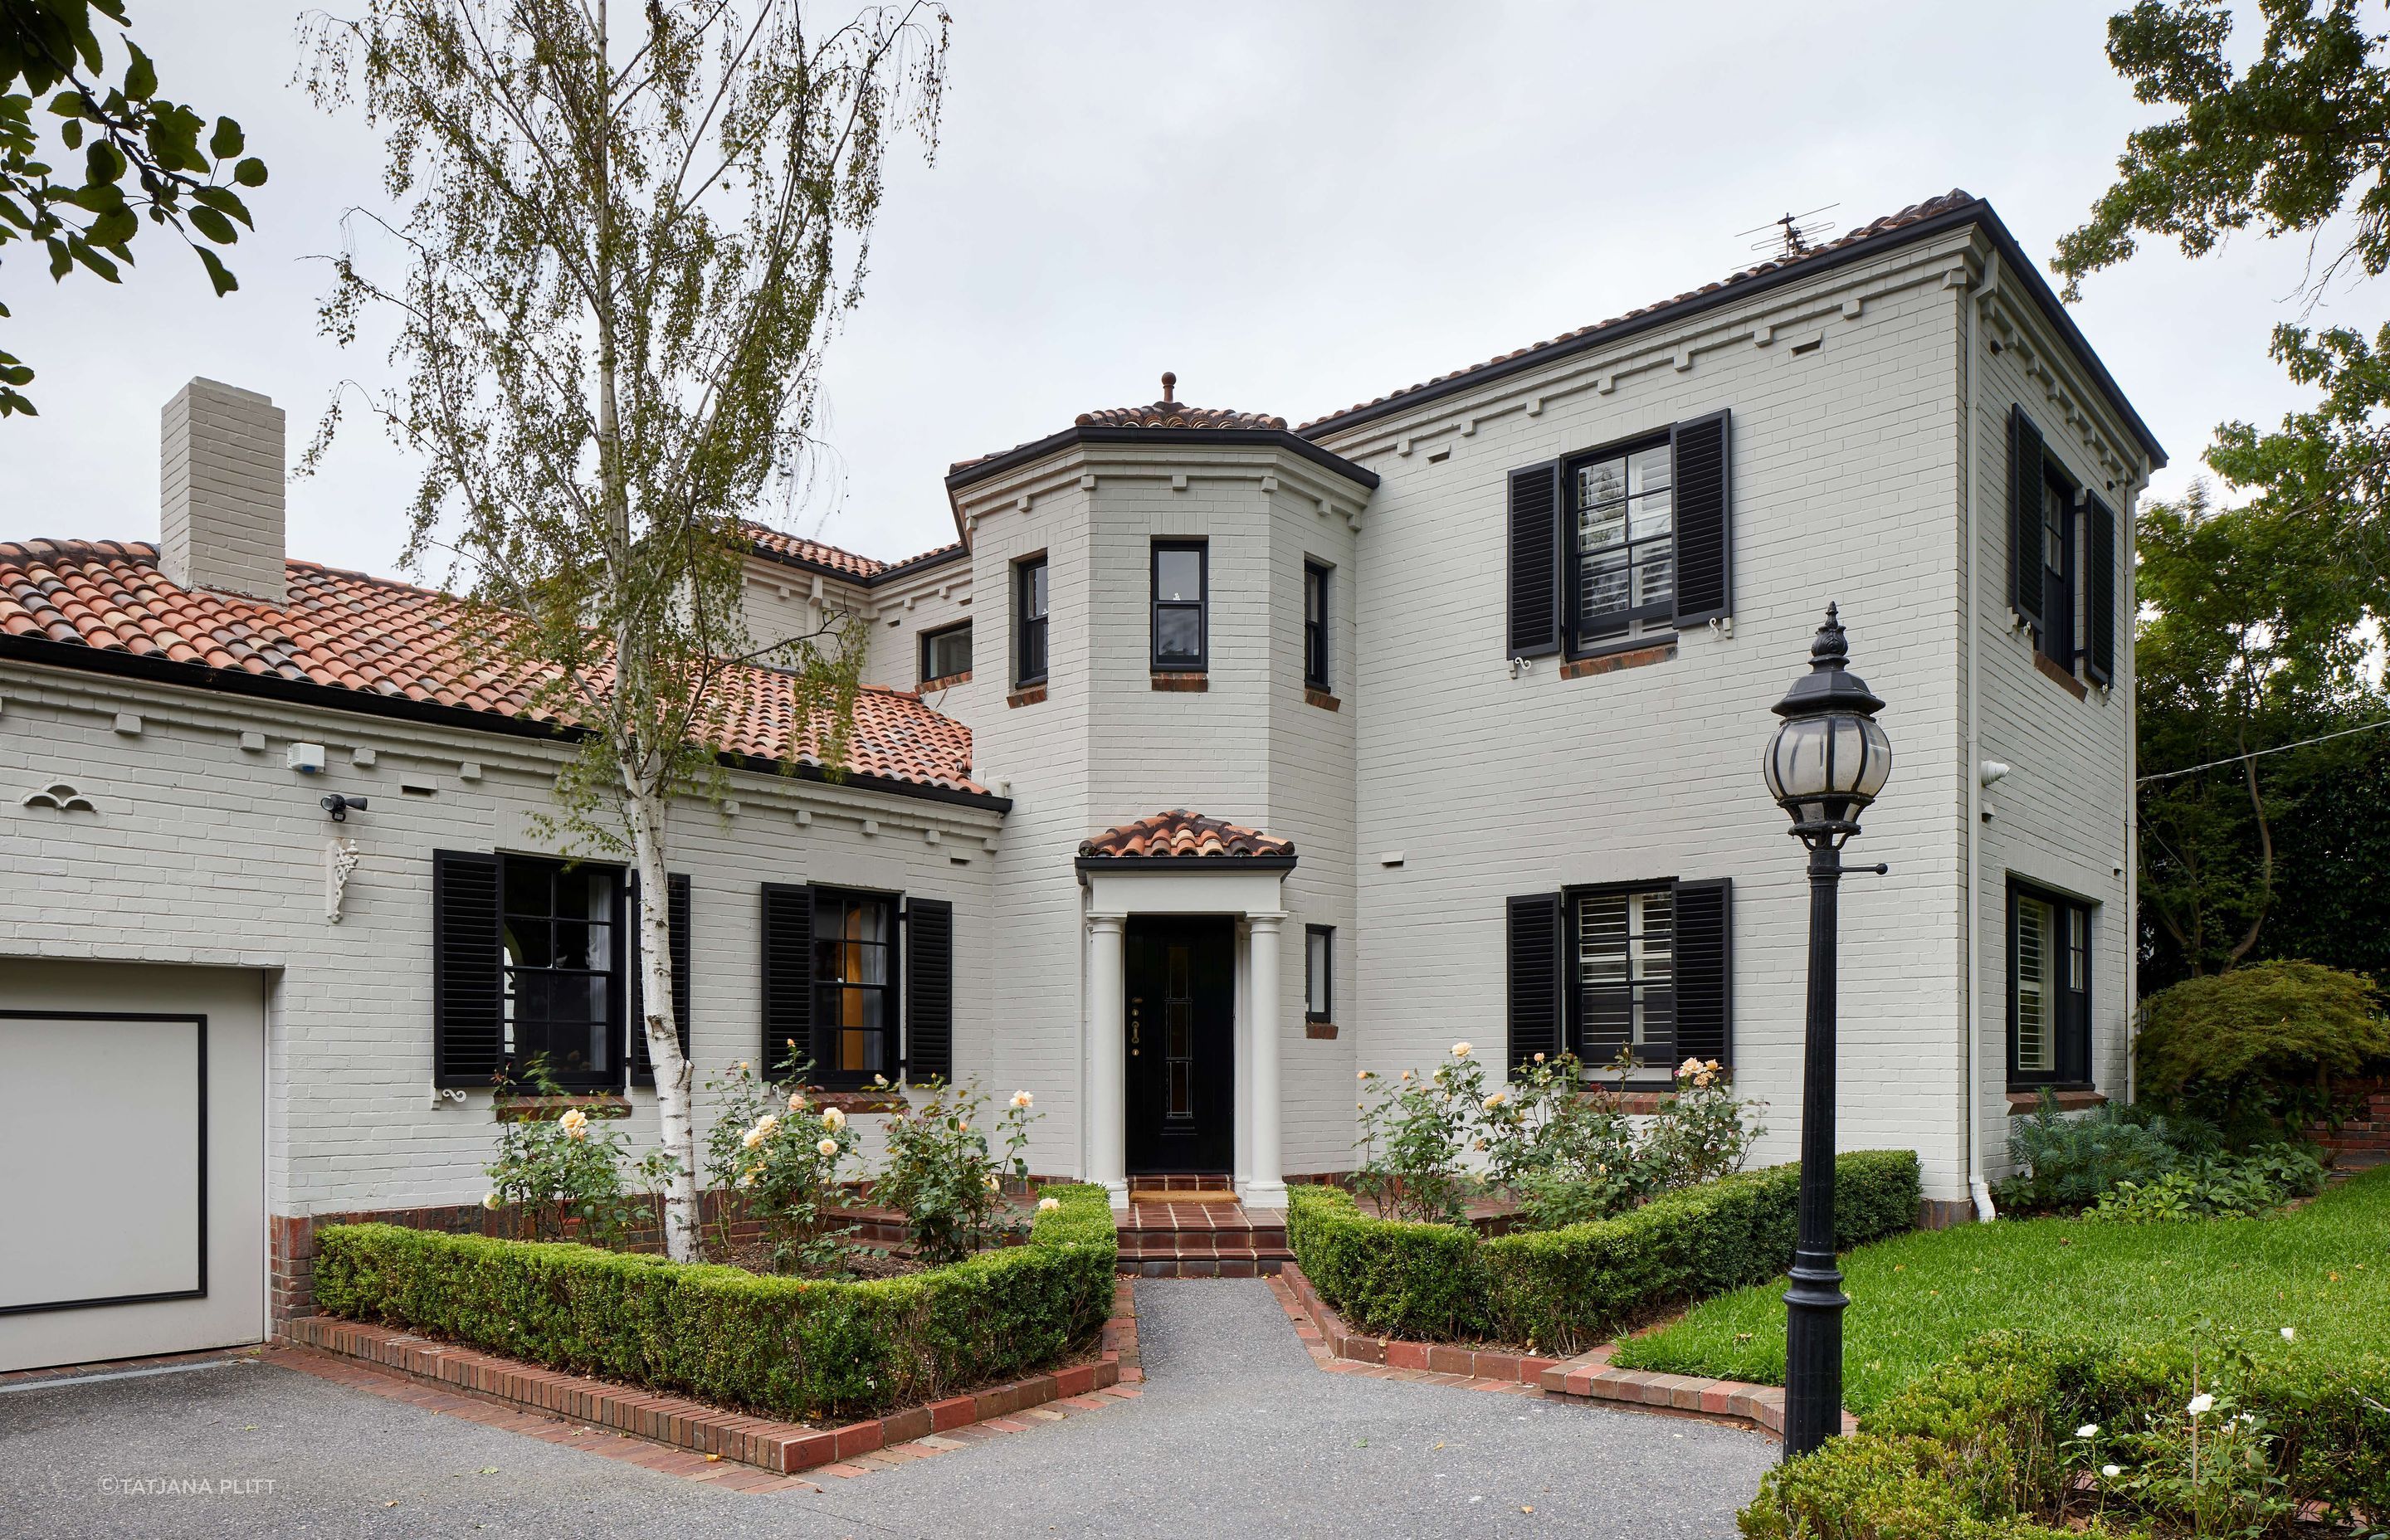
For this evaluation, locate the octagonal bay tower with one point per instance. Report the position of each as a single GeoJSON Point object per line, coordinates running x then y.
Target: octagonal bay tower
{"type": "Point", "coordinates": [1161, 588]}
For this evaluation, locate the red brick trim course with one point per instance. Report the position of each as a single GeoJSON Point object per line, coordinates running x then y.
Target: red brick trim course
{"type": "Point", "coordinates": [674, 1421]}
{"type": "Point", "coordinates": [1589, 1376]}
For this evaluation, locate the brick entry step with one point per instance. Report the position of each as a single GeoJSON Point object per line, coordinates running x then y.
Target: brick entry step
{"type": "Point", "coordinates": [1193, 1228]}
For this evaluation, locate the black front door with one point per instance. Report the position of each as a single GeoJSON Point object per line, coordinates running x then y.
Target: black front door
{"type": "Point", "coordinates": [1181, 1011]}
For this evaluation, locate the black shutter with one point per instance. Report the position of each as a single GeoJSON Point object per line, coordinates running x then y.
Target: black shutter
{"type": "Point", "coordinates": [788, 979]}
{"type": "Point", "coordinates": [1703, 479]}
{"type": "Point", "coordinates": [643, 1070]}
{"type": "Point", "coordinates": [2024, 515]}
{"type": "Point", "coordinates": [1535, 586]}
{"type": "Point", "coordinates": [2099, 606]}
{"type": "Point", "coordinates": [1705, 970]}
{"type": "Point", "coordinates": [1535, 977]}
{"type": "Point", "coordinates": [928, 989]}
{"type": "Point", "coordinates": [468, 1028]}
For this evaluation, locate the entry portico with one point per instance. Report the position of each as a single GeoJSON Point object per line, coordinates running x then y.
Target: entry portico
{"type": "Point", "coordinates": [1153, 1040]}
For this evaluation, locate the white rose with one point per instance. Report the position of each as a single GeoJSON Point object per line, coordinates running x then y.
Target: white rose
{"type": "Point", "coordinates": [1497, 1099]}
{"type": "Point", "coordinates": [2201, 1404]}
{"type": "Point", "coordinates": [1689, 1066]}
{"type": "Point", "coordinates": [1050, 1205]}
{"type": "Point", "coordinates": [491, 1200]}
{"type": "Point", "coordinates": [796, 1102]}
{"type": "Point", "coordinates": [1539, 1058]}
{"type": "Point", "coordinates": [1022, 1099]}
{"type": "Point", "coordinates": [2290, 1334]}
{"type": "Point", "coordinates": [2089, 1430]}
{"type": "Point", "coordinates": [833, 1119]}
{"type": "Point", "coordinates": [2112, 1471]}
{"type": "Point", "coordinates": [828, 1146]}
{"type": "Point", "coordinates": [1461, 1050]}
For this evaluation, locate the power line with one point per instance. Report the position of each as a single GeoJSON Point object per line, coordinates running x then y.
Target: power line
{"type": "Point", "coordinates": [2281, 748]}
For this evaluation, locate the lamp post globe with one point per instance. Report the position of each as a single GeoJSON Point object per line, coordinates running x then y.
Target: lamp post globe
{"type": "Point", "coordinates": [1825, 764]}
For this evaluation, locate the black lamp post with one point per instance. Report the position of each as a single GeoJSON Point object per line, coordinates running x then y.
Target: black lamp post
{"type": "Point", "coordinates": [1825, 764]}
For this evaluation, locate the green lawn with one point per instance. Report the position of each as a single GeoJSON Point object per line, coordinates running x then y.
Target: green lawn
{"type": "Point", "coordinates": [2324, 1269]}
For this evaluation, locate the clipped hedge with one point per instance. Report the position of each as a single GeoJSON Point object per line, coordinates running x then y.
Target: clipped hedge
{"type": "Point", "coordinates": [1565, 1289]}
{"type": "Point", "coordinates": [785, 1347]}
{"type": "Point", "coordinates": [1984, 1446]}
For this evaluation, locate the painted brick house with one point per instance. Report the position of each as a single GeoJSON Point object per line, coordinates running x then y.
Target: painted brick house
{"type": "Point", "coordinates": [1216, 760]}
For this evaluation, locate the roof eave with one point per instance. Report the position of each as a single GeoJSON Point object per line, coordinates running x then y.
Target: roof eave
{"type": "Point", "coordinates": [1185, 863]}
{"type": "Point", "coordinates": [1277, 438]}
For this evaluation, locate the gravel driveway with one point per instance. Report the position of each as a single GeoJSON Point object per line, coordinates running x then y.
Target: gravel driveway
{"type": "Point", "coordinates": [1238, 1434]}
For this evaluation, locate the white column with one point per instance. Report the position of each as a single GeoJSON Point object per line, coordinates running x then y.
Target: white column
{"type": "Point", "coordinates": [1107, 1112]}
{"type": "Point", "coordinates": [1265, 1181]}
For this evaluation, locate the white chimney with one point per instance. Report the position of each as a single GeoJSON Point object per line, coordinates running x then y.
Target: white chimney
{"type": "Point", "coordinates": [220, 492]}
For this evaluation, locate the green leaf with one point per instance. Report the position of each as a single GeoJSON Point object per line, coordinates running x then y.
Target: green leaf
{"type": "Point", "coordinates": [72, 132]}
{"type": "Point", "coordinates": [113, 229]}
{"type": "Point", "coordinates": [218, 273]}
{"type": "Point", "coordinates": [140, 76]}
{"type": "Point", "coordinates": [226, 142]}
{"type": "Point", "coordinates": [66, 104]}
{"type": "Point", "coordinates": [214, 226]}
{"type": "Point", "coordinates": [61, 260]}
{"type": "Point", "coordinates": [81, 250]}
{"type": "Point", "coordinates": [251, 172]}
{"type": "Point", "coordinates": [102, 163]}
{"type": "Point", "coordinates": [225, 201]}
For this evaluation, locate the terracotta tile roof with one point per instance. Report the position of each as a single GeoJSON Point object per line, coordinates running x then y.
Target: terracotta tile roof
{"type": "Point", "coordinates": [769, 542]}
{"type": "Point", "coordinates": [1169, 412]}
{"type": "Point", "coordinates": [1913, 214]}
{"type": "Point", "coordinates": [1179, 834]}
{"type": "Point", "coordinates": [346, 631]}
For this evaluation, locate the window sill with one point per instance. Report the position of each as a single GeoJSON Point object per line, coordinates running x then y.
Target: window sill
{"type": "Point", "coordinates": [1321, 699]}
{"type": "Point", "coordinates": [1637, 655]}
{"type": "Point", "coordinates": [2060, 676]}
{"type": "Point", "coordinates": [1027, 694]}
{"type": "Point", "coordinates": [869, 1100]}
{"type": "Point", "coordinates": [1191, 683]}
{"type": "Point", "coordinates": [942, 682]}
{"type": "Point", "coordinates": [1320, 1031]}
{"type": "Point", "coordinates": [509, 1108]}
{"type": "Point", "coordinates": [2026, 1098]}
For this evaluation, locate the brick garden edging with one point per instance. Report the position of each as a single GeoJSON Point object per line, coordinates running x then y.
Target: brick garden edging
{"type": "Point", "coordinates": [1587, 1377]}
{"type": "Point", "coordinates": [676, 1422]}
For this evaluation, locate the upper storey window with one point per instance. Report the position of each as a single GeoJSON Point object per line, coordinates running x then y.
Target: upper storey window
{"type": "Point", "coordinates": [1029, 621]}
{"type": "Point", "coordinates": [2062, 558]}
{"type": "Point", "coordinates": [1624, 522]}
{"type": "Point", "coordinates": [1180, 604]}
{"type": "Point", "coordinates": [1314, 625]}
{"type": "Point", "coordinates": [947, 654]}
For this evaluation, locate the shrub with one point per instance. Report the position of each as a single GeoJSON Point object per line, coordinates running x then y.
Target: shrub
{"type": "Point", "coordinates": [2218, 1184]}
{"type": "Point", "coordinates": [563, 1175]}
{"type": "Point", "coordinates": [1566, 1156]}
{"type": "Point", "coordinates": [2067, 1163]}
{"type": "Point", "coordinates": [787, 1163]}
{"type": "Point", "coordinates": [1699, 1132]}
{"type": "Point", "coordinates": [782, 1347]}
{"type": "Point", "coordinates": [1562, 1290]}
{"type": "Point", "coordinates": [1414, 1134]}
{"type": "Point", "coordinates": [2014, 1437]}
{"type": "Point", "coordinates": [2260, 1044]}
{"type": "Point", "coordinates": [942, 1174]}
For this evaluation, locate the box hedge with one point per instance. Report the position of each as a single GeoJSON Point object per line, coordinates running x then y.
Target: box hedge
{"type": "Point", "coordinates": [1565, 1289]}
{"type": "Point", "coordinates": [785, 1347]}
{"type": "Point", "coordinates": [1984, 1446]}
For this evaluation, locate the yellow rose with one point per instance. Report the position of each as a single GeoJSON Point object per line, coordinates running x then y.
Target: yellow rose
{"type": "Point", "coordinates": [833, 1119]}
{"type": "Point", "coordinates": [1050, 1205]}
{"type": "Point", "coordinates": [828, 1146]}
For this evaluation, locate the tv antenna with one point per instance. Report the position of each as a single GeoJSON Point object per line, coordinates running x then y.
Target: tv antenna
{"type": "Point", "coordinates": [1793, 235]}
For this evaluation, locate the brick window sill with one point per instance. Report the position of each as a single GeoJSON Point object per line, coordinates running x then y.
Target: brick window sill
{"type": "Point", "coordinates": [1195, 684]}
{"type": "Point", "coordinates": [2028, 1098]}
{"type": "Point", "coordinates": [1028, 694]}
{"type": "Point", "coordinates": [2060, 676]}
{"type": "Point", "coordinates": [517, 1109]}
{"type": "Point", "coordinates": [1611, 663]}
{"type": "Point", "coordinates": [1321, 1030]}
{"type": "Point", "coordinates": [851, 1102]}
{"type": "Point", "coordinates": [944, 682]}
{"type": "Point", "coordinates": [1322, 699]}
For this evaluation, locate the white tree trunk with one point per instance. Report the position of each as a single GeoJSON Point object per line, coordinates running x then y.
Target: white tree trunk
{"type": "Point", "coordinates": [674, 1104]}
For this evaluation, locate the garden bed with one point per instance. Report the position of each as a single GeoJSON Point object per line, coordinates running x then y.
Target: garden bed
{"type": "Point", "coordinates": [1558, 1291]}
{"type": "Point", "coordinates": [782, 1347]}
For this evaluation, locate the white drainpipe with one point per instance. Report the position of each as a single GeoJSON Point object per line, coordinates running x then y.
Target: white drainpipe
{"type": "Point", "coordinates": [1968, 1033]}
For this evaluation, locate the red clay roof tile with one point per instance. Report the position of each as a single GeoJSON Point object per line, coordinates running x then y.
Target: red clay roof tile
{"type": "Point", "coordinates": [1179, 834]}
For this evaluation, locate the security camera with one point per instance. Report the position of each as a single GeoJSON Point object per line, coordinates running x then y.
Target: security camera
{"type": "Point", "coordinates": [337, 806]}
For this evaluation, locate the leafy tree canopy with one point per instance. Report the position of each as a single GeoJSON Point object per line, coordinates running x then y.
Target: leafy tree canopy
{"type": "Point", "coordinates": [137, 154]}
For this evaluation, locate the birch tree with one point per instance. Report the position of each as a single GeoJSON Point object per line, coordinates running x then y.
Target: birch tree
{"type": "Point", "coordinates": [616, 245]}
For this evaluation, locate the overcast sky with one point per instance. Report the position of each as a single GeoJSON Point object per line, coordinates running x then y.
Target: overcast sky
{"type": "Point", "coordinates": [1295, 206]}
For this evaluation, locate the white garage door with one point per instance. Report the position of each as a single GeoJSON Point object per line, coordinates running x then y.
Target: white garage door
{"type": "Point", "coordinates": [134, 1149]}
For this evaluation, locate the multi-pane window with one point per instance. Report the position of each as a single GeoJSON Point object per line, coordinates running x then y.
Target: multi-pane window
{"type": "Point", "coordinates": [1178, 603]}
{"type": "Point", "coordinates": [562, 999]}
{"type": "Point", "coordinates": [1625, 961]}
{"type": "Point", "coordinates": [1029, 621]}
{"type": "Point", "coordinates": [2050, 988]}
{"type": "Point", "coordinates": [1314, 625]}
{"type": "Point", "coordinates": [853, 1005]}
{"type": "Point", "coordinates": [946, 653]}
{"type": "Point", "coordinates": [2058, 584]}
{"type": "Point", "coordinates": [1318, 973]}
{"type": "Point", "coordinates": [1622, 542]}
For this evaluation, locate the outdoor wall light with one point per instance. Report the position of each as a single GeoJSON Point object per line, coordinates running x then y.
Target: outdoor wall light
{"type": "Point", "coordinates": [337, 806]}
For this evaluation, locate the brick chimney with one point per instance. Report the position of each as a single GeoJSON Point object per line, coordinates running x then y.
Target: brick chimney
{"type": "Point", "coordinates": [220, 516]}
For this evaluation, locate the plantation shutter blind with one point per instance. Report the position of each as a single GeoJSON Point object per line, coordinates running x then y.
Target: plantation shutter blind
{"type": "Point", "coordinates": [1535, 586]}
{"type": "Point", "coordinates": [1705, 970]}
{"type": "Point", "coordinates": [643, 1070]}
{"type": "Point", "coordinates": [788, 979]}
{"type": "Point", "coordinates": [1535, 977]}
{"type": "Point", "coordinates": [2099, 597]}
{"type": "Point", "coordinates": [2026, 514]}
{"type": "Point", "coordinates": [928, 989]}
{"type": "Point", "coordinates": [468, 992]}
{"type": "Point", "coordinates": [1702, 476]}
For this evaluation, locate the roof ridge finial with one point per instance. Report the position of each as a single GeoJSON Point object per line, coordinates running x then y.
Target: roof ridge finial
{"type": "Point", "coordinates": [1169, 388]}
{"type": "Point", "coordinates": [1830, 650]}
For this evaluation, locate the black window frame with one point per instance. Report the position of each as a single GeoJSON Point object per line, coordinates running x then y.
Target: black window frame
{"type": "Point", "coordinates": [1200, 604]}
{"type": "Point", "coordinates": [1642, 625]}
{"type": "Point", "coordinates": [2058, 631]}
{"type": "Point", "coordinates": [1325, 976]}
{"type": "Point", "coordinates": [1650, 1072]}
{"type": "Point", "coordinates": [514, 1059]}
{"type": "Point", "coordinates": [1316, 575]}
{"type": "Point", "coordinates": [826, 1026]}
{"type": "Point", "coordinates": [1031, 662]}
{"type": "Point", "coordinates": [931, 639]}
{"type": "Point", "coordinates": [2071, 1023]}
